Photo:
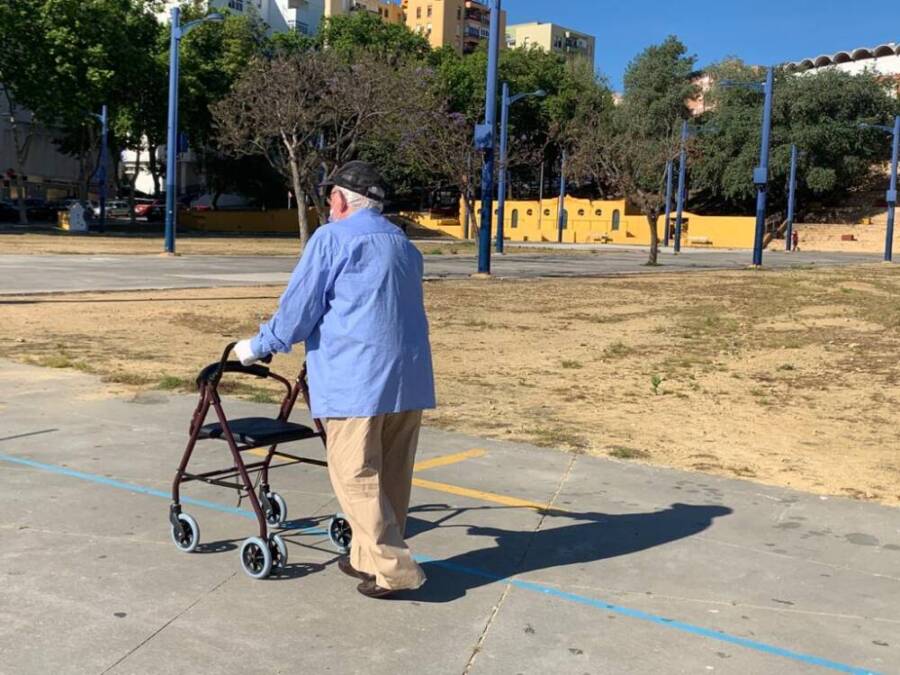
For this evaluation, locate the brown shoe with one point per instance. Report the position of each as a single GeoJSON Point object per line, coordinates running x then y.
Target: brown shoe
{"type": "Point", "coordinates": [348, 569]}
{"type": "Point", "coordinates": [372, 590]}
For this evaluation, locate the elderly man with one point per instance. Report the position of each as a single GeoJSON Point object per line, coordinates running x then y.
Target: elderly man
{"type": "Point", "coordinates": [355, 298]}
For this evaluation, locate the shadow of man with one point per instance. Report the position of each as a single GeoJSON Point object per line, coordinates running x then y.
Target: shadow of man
{"type": "Point", "coordinates": [593, 537]}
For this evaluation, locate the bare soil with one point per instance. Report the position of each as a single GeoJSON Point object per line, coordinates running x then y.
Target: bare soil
{"type": "Point", "coordinates": [790, 378]}
{"type": "Point", "coordinates": [52, 243]}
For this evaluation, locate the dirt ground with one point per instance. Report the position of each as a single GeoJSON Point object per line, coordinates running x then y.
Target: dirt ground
{"type": "Point", "coordinates": [790, 378]}
{"type": "Point", "coordinates": [140, 244]}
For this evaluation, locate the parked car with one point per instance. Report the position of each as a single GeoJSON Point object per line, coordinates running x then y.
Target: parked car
{"type": "Point", "coordinates": [115, 208]}
{"type": "Point", "coordinates": [39, 210]}
{"type": "Point", "coordinates": [8, 213]}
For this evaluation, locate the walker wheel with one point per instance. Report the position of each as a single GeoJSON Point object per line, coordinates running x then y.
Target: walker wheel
{"type": "Point", "coordinates": [340, 533]}
{"type": "Point", "coordinates": [279, 551]}
{"type": "Point", "coordinates": [256, 558]}
{"type": "Point", "coordinates": [278, 514]}
{"type": "Point", "coordinates": [188, 539]}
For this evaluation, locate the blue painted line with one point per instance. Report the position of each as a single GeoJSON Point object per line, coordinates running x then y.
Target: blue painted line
{"type": "Point", "coordinates": [140, 489]}
{"type": "Point", "coordinates": [518, 583]}
{"type": "Point", "coordinates": [652, 618]}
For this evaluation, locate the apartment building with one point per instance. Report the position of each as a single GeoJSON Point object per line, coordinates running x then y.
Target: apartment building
{"type": "Point", "coordinates": [554, 38]}
{"type": "Point", "coordinates": [304, 16]}
{"type": "Point", "coordinates": [461, 24]}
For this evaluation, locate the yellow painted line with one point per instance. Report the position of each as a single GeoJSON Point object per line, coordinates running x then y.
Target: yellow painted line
{"type": "Point", "coordinates": [505, 500]}
{"type": "Point", "coordinates": [446, 460]}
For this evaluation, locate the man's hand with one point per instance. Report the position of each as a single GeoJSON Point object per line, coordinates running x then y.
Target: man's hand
{"type": "Point", "coordinates": [244, 351]}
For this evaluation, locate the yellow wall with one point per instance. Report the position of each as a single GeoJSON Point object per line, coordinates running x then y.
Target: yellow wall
{"type": "Point", "coordinates": [591, 221]}
{"type": "Point", "coordinates": [274, 221]}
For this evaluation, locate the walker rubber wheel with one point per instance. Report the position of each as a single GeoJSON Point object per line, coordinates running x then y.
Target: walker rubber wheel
{"type": "Point", "coordinates": [278, 515]}
{"type": "Point", "coordinates": [340, 533]}
{"type": "Point", "coordinates": [188, 539]}
{"type": "Point", "coordinates": [279, 551]}
{"type": "Point", "coordinates": [256, 558]}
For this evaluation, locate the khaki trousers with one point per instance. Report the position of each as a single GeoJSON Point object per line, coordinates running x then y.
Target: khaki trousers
{"type": "Point", "coordinates": [370, 462]}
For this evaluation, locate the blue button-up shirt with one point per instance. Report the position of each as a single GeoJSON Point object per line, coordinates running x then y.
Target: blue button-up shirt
{"type": "Point", "coordinates": [356, 299]}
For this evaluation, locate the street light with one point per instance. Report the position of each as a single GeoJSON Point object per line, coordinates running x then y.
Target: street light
{"type": "Point", "coordinates": [761, 172]}
{"type": "Point", "coordinates": [507, 101]}
{"type": "Point", "coordinates": [669, 169]}
{"type": "Point", "coordinates": [792, 200]}
{"type": "Point", "coordinates": [892, 188]}
{"type": "Point", "coordinates": [686, 132]}
{"type": "Point", "coordinates": [484, 140]}
{"type": "Point", "coordinates": [178, 32]}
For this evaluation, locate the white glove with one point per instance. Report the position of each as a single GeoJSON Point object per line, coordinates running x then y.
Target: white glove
{"type": "Point", "coordinates": [244, 351]}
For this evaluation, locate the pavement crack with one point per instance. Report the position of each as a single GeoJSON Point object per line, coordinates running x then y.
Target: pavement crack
{"type": "Point", "coordinates": [169, 622]}
{"type": "Point", "coordinates": [479, 643]}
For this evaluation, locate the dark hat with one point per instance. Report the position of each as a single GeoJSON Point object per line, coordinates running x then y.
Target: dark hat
{"type": "Point", "coordinates": [361, 178]}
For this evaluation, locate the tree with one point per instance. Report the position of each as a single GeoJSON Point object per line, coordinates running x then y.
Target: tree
{"type": "Point", "coordinates": [351, 33]}
{"type": "Point", "coordinates": [311, 112]}
{"type": "Point", "coordinates": [819, 112]}
{"type": "Point", "coordinates": [629, 146]}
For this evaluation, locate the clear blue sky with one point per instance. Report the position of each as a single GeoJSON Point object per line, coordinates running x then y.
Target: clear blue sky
{"type": "Point", "coordinates": [757, 31]}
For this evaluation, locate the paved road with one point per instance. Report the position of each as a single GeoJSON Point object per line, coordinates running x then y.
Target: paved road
{"type": "Point", "coordinates": [58, 273]}
{"type": "Point", "coordinates": [634, 570]}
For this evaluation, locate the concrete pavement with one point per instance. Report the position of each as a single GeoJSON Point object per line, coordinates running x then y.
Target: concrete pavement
{"type": "Point", "coordinates": [633, 569]}
{"type": "Point", "coordinates": [60, 273]}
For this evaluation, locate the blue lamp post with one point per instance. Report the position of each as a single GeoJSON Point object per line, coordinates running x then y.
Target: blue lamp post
{"type": "Point", "coordinates": [506, 102]}
{"type": "Point", "coordinates": [761, 173]}
{"type": "Point", "coordinates": [792, 201]}
{"type": "Point", "coordinates": [892, 188]}
{"type": "Point", "coordinates": [178, 32]}
{"type": "Point", "coordinates": [682, 177]}
{"type": "Point", "coordinates": [484, 140]}
{"type": "Point", "coordinates": [669, 169]}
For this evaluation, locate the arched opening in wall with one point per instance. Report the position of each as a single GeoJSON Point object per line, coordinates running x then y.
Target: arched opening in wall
{"type": "Point", "coordinates": [514, 222]}
{"type": "Point", "coordinates": [565, 219]}
{"type": "Point", "coordinates": [616, 219]}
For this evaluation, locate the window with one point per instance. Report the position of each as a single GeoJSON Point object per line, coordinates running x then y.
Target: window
{"type": "Point", "coordinates": [418, 12]}
{"type": "Point", "coordinates": [429, 11]}
{"type": "Point", "coordinates": [546, 212]}
{"type": "Point", "coordinates": [237, 5]}
{"type": "Point", "coordinates": [303, 28]}
{"type": "Point", "coordinates": [459, 14]}
{"type": "Point", "coordinates": [581, 212]}
{"type": "Point", "coordinates": [615, 220]}
{"type": "Point", "coordinates": [515, 218]}
{"type": "Point", "coordinates": [598, 212]}
{"type": "Point", "coordinates": [530, 212]}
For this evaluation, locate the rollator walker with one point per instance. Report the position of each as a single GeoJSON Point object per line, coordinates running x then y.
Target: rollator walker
{"type": "Point", "coordinates": [267, 551]}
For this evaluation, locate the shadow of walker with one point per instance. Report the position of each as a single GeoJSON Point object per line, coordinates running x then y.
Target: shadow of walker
{"type": "Point", "coordinates": [592, 537]}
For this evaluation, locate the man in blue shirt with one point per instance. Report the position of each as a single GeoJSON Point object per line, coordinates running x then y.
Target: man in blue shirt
{"type": "Point", "coordinates": [356, 300]}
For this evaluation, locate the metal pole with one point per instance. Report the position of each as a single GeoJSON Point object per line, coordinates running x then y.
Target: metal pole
{"type": "Point", "coordinates": [669, 181]}
{"type": "Point", "coordinates": [561, 212]}
{"type": "Point", "coordinates": [761, 174]}
{"type": "Point", "coordinates": [501, 186]}
{"type": "Point", "coordinates": [490, 120]}
{"type": "Point", "coordinates": [682, 177]}
{"type": "Point", "coordinates": [792, 200]}
{"type": "Point", "coordinates": [892, 195]}
{"type": "Point", "coordinates": [104, 121]}
{"type": "Point", "coordinates": [541, 197]}
{"type": "Point", "coordinates": [172, 137]}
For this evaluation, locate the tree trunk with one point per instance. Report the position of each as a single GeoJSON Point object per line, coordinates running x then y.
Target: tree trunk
{"type": "Point", "coordinates": [652, 219]}
{"type": "Point", "coordinates": [21, 156]}
{"type": "Point", "coordinates": [153, 165]}
{"type": "Point", "coordinates": [302, 215]}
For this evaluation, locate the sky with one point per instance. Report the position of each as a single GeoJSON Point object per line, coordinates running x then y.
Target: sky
{"type": "Point", "coordinates": [760, 32]}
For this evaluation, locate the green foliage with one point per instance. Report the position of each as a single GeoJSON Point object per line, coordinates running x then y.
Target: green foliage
{"type": "Point", "coordinates": [350, 33]}
{"type": "Point", "coordinates": [819, 112]}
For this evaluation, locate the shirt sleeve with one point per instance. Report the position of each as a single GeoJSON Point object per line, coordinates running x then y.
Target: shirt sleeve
{"type": "Point", "coordinates": [303, 302]}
